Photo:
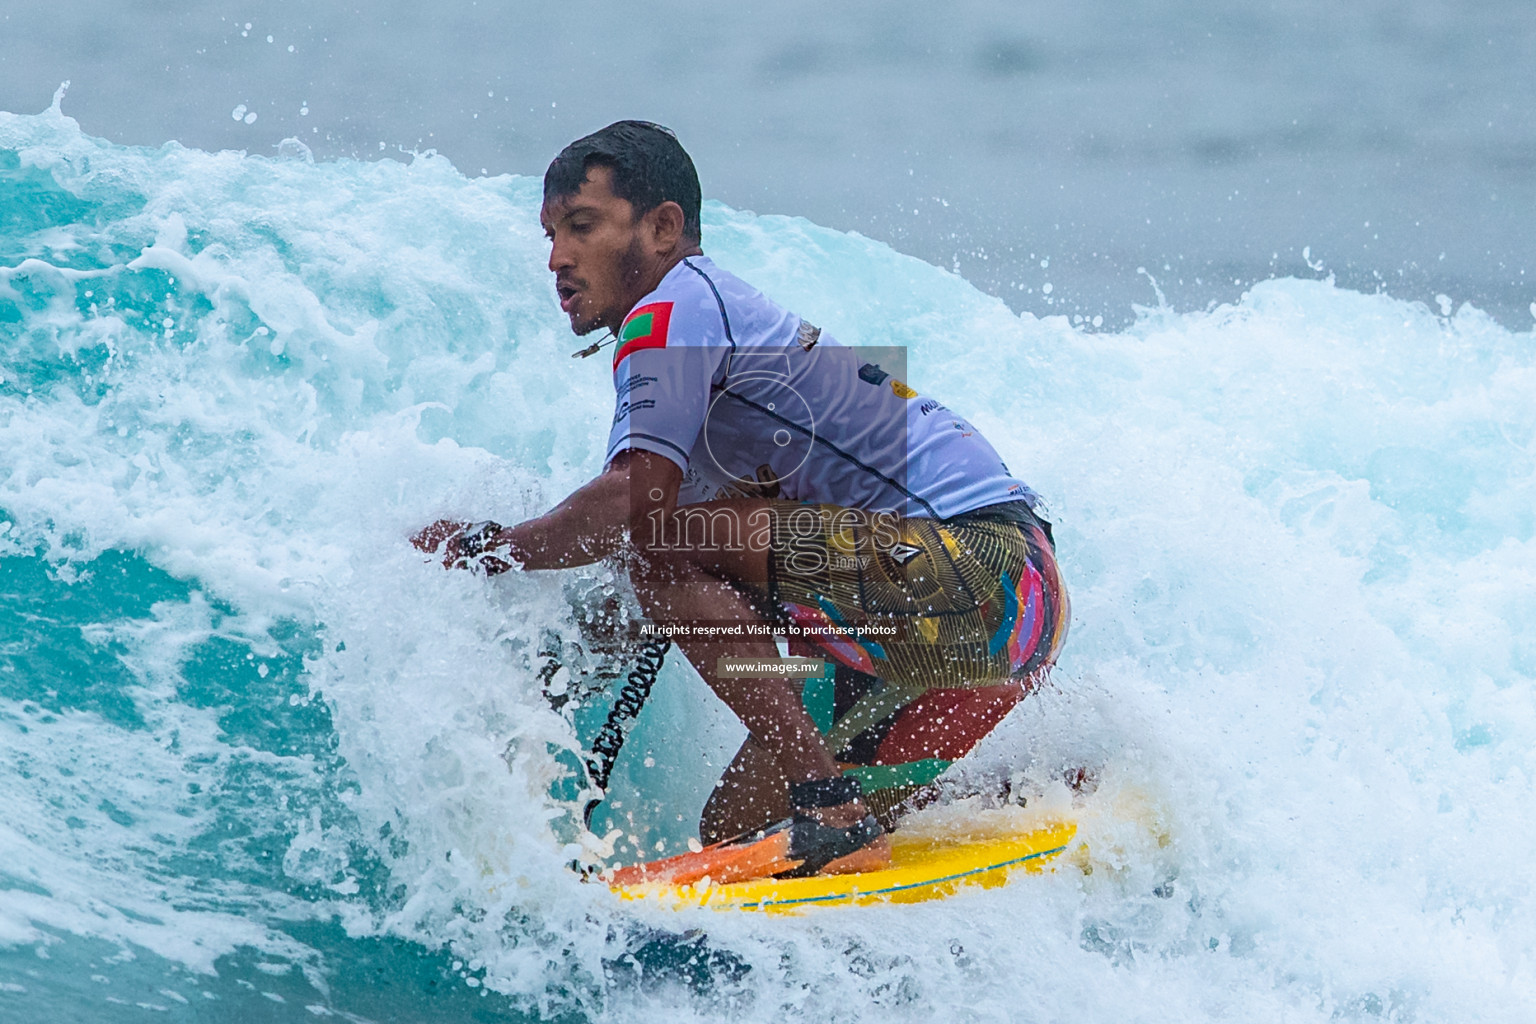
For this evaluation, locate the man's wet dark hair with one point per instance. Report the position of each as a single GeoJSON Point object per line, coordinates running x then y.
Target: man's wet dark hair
{"type": "Point", "coordinates": [649, 166]}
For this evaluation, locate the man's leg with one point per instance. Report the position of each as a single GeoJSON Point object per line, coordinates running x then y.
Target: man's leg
{"type": "Point", "coordinates": [687, 585]}
{"type": "Point", "coordinates": [752, 793]}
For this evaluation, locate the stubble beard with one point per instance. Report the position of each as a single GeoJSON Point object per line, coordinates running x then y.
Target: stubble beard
{"type": "Point", "coordinates": [631, 268]}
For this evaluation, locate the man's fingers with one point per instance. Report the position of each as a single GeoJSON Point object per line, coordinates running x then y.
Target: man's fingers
{"type": "Point", "coordinates": [429, 538]}
{"type": "Point", "coordinates": [460, 543]}
{"type": "Point", "coordinates": [453, 551]}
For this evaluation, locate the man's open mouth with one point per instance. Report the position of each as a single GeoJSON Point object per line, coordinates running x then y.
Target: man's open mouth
{"type": "Point", "coordinates": [567, 293]}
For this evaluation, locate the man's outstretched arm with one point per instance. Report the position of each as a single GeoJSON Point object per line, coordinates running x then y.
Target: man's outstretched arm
{"type": "Point", "coordinates": [592, 523]}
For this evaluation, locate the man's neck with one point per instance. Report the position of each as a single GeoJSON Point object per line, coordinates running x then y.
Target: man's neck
{"type": "Point", "coordinates": [672, 260]}
{"type": "Point", "coordinates": [663, 267]}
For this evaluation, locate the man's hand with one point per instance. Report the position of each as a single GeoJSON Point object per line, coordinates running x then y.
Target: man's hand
{"type": "Point", "coordinates": [428, 539]}
{"type": "Point", "coordinates": [463, 543]}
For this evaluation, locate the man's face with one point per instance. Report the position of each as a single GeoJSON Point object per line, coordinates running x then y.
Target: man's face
{"type": "Point", "coordinates": [595, 252]}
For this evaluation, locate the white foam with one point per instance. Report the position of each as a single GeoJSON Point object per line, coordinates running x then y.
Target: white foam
{"type": "Point", "coordinates": [1297, 531]}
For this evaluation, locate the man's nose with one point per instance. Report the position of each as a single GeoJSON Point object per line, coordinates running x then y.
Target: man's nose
{"type": "Point", "coordinates": [559, 256]}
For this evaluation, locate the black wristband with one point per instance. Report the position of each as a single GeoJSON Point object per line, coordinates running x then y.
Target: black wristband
{"type": "Point", "coordinates": [825, 792]}
{"type": "Point", "coordinates": [472, 542]}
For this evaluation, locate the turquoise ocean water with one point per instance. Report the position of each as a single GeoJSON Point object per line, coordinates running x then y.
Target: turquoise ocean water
{"type": "Point", "coordinates": [263, 764]}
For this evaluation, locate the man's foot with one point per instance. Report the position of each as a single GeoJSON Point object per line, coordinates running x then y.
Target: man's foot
{"type": "Point", "coordinates": [825, 849]}
{"type": "Point", "coordinates": [833, 832]}
{"type": "Point", "coordinates": [793, 848]}
{"type": "Point", "coordinates": [821, 838]}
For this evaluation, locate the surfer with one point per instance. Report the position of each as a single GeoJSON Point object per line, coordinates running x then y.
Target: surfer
{"type": "Point", "coordinates": [765, 484]}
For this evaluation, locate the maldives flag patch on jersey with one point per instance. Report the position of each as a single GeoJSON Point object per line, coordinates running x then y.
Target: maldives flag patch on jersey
{"type": "Point", "coordinates": [646, 327]}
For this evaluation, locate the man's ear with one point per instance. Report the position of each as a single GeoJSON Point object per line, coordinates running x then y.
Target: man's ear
{"type": "Point", "coordinates": [666, 226]}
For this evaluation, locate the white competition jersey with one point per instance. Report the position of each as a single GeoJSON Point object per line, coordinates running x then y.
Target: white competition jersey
{"type": "Point", "coordinates": [750, 400]}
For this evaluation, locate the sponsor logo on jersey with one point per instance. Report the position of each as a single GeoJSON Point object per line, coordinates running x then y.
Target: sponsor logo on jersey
{"type": "Point", "coordinates": [870, 373]}
{"type": "Point", "coordinates": [765, 486]}
{"type": "Point", "coordinates": [929, 406]}
{"type": "Point", "coordinates": [808, 335]}
{"type": "Point", "coordinates": [645, 327]}
{"type": "Point", "coordinates": [626, 408]}
{"type": "Point", "coordinates": [635, 380]}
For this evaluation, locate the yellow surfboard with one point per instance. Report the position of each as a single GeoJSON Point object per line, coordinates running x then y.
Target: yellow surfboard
{"type": "Point", "coordinates": [926, 864]}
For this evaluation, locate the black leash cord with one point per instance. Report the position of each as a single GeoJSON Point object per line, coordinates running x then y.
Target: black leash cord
{"type": "Point", "coordinates": [632, 697]}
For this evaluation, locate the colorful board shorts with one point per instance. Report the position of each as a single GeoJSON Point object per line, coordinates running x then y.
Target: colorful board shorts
{"type": "Point", "coordinates": [936, 628]}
